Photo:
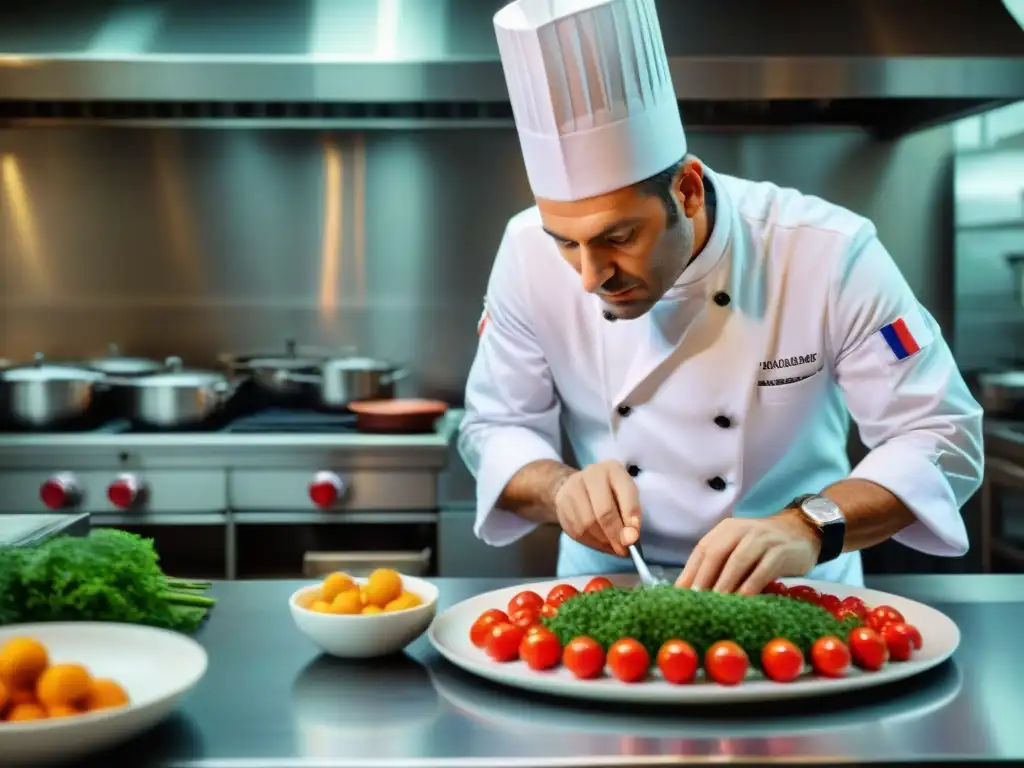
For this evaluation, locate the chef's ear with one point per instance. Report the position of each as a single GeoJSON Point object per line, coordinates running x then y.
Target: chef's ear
{"type": "Point", "coordinates": [688, 186]}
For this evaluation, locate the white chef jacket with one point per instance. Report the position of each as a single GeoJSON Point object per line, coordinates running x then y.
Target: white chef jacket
{"type": "Point", "coordinates": [732, 396]}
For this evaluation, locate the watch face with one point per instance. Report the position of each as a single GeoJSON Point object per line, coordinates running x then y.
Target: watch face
{"type": "Point", "coordinates": [822, 511]}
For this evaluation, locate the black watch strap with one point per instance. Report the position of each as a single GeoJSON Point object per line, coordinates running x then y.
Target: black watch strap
{"type": "Point", "coordinates": [832, 532]}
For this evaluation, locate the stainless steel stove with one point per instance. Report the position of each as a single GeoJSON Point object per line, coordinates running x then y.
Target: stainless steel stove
{"type": "Point", "coordinates": [271, 493]}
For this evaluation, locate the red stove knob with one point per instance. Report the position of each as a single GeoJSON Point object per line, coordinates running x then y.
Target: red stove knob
{"type": "Point", "coordinates": [60, 491]}
{"type": "Point", "coordinates": [326, 489]}
{"type": "Point", "coordinates": [125, 491]}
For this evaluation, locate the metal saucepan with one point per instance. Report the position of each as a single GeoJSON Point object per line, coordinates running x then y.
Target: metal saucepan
{"type": "Point", "coordinates": [265, 369]}
{"type": "Point", "coordinates": [176, 398]}
{"type": "Point", "coordinates": [411, 415]}
{"type": "Point", "coordinates": [115, 364]}
{"type": "Point", "coordinates": [1001, 393]}
{"type": "Point", "coordinates": [46, 395]}
{"type": "Point", "coordinates": [347, 379]}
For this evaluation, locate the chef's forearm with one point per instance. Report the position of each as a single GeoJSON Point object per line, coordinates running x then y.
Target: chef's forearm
{"type": "Point", "coordinates": [530, 493]}
{"type": "Point", "coordinates": [873, 514]}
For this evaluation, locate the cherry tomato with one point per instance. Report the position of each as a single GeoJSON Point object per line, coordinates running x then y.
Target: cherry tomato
{"type": "Point", "coordinates": [526, 599]}
{"type": "Point", "coordinates": [481, 628]}
{"type": "Point", "coordinates": [561, 593]}
{"type": "Point", "coordinates": [584, 657]}
{"type": "Point", "coordinates": [548, 611]}
{"type": "Point", "coordinates": [678, 661]}
{"type": "Point", "coordinates": [845, 612]}
{"type": "Point", "coordinates": [628, 660]}
{"type": "Point", "coordinates": [901, 640]}
{"type": "Point", "coordinates": [535, 628]}
{"type": "Point", "coordinates": [726, 663]}
{"type": "Point", "coordinates": [776, 588]}
{"type": "Point", "coordinates": [915, 635]}
{"type": "Point", "coordinates": [524, 618]}
{"type": "Point", "coordinates": [882, 615]}
{"type": "Point", "coordinates": [540, 650]}
{"type": "Point", "coordinates": [782, 661]}
{"type": "Point", "coordinates": [830, 657]}
{"type": "Point", "coordinates": [503, 642]}
{"type": "Point", "coordinates": [805, 593]}
{"type": "Point", "coordinates": [867, 649]}
{"type": "Point", "coordinates": [598, 583]}
{"type": "Point", "coordinates": [830, 603]}
{"type": "Point", "coordinates": [856, 605]}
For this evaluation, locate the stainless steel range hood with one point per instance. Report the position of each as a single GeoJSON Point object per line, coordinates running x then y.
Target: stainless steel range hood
{"type": "Point", "coordinates": [888, 65]}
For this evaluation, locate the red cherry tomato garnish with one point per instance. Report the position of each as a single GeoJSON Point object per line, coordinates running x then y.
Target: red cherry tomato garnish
{"type": "Point", "coordinates": [540, 650]}
{"type": "Point", "coordinates": [535, 628]}
{"type": "Point", "coordinates": [628, 660]}
{"type": "Point", "coordinates": [584, 657]}
{"type": "Point", "coordinates": [504, 640]}
{"type": "Point", "coordinates": [776, 588]}
{"type": "Point", "coordinates": [867, 649]}
{"type": "Point", "coordinates": [844, 612]}
{"type": "Point", "coordinates": [526, 599]}
{"type": "Point", "coordinates": [524, 618]}
{"type": "Point", "coordinates": [830, 657]}
{"type": "Point", "coordinates": [598, 583]}
{"type": "Point", "coordinates": [548, 611]}
{"type": "Point", "coordinates": [901, 640]}
{"type": "Point", "coordinates": [782, 661]}
{"type": "Point", "coordinates": [915, 635]}
{"type": "Point", "coordinates": [882, 615]}
{"type": "Point", "coordinates": [678, 662]}
{"type": "Point", "coordinates": [481, 628]}
{"type": "Point", "coordinates": [830, 603]}
{"type": "Point", "coordinates": [856, 605]}
{"type": "Point", "coordinates": [560, 594]}
{"type": "Point", "coordinates": [726, 663]}
{"type": "Point", "coordinates": [805, 593]}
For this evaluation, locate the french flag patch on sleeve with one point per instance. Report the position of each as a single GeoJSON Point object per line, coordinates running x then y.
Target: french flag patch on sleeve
{"type": "Point", "coordinates": [906, 336]}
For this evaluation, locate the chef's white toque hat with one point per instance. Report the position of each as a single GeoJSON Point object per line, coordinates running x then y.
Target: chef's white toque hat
{"type": "Point", "coordinates": [591, 93]}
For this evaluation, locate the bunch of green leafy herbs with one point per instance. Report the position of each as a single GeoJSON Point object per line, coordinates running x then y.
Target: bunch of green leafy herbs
{"type": "Point", "coordinates": [109, 575]}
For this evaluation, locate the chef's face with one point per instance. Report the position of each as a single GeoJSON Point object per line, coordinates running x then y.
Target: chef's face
{"type": "Point", "coordinates": [630, 246]}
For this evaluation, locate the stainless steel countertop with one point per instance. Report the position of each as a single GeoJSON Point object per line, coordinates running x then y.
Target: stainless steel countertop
{"type": "Point", "coordinates": [270, 700]}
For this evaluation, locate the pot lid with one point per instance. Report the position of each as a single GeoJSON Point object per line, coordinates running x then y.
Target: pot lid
{"type": "Point", "coordinates": [125, 365]}
{"type": "Point", "coordinates": [1009, 379]}
{"type": "Point", "coordinates": [358, 364]}
{"type": "Point", "coordinates": [41, 371]}
{"type": "Point", "coordinates": [180, 378]}
{"type": "Point", "coordinates": [285, 363]}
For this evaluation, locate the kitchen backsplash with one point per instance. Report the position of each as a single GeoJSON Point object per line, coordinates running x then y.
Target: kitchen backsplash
{"type": "Point", "coordinates": [195, 242]}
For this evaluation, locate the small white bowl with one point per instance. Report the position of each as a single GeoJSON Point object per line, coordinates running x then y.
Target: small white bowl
{"type": "Point", "coordinates": [364, 637]}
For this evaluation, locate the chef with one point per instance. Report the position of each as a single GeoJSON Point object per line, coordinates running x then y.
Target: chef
{"type": "Point", "coordinates": [702, 339]}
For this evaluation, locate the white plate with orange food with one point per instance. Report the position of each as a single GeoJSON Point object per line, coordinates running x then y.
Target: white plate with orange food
{"type": "Point", "coordinates": [361, 618]}
{"type": "Point", "coordinates": [71, 688]}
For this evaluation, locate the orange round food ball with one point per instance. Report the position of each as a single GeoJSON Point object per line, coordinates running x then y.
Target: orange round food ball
{"type": "Point", "coordinates": [63, 685]}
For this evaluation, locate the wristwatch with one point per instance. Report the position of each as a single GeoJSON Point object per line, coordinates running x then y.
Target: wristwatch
{"type": "Point", "coordinates": [826, 516]}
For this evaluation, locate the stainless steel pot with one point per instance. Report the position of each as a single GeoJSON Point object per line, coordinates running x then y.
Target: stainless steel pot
{"type": "Point", "coordinates": [344, 380]}
{"type": "Point", "coordinates": [265, 369]}
{"type": "Point", "coordinates": [115, 364]}
{"type": "Point", "coordinates": [46, 395]}
{"type": "Point", "coordinates": [1001, 393]}
{"type": "Point", "coordinates": [176, 398]}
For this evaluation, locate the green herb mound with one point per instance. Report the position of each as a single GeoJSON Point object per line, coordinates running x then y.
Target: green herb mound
{"type": "Point", "coordinates": [652, 615]}
{"type": "Point", "coordinates": [108, 575]}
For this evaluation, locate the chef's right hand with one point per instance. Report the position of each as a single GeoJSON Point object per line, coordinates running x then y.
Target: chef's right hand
{"type": "Point", "coordinates": [599, 506]}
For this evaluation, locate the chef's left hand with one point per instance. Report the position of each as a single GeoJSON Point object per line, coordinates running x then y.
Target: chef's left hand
{"type": "Point", "coordinates": [746, 554]}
